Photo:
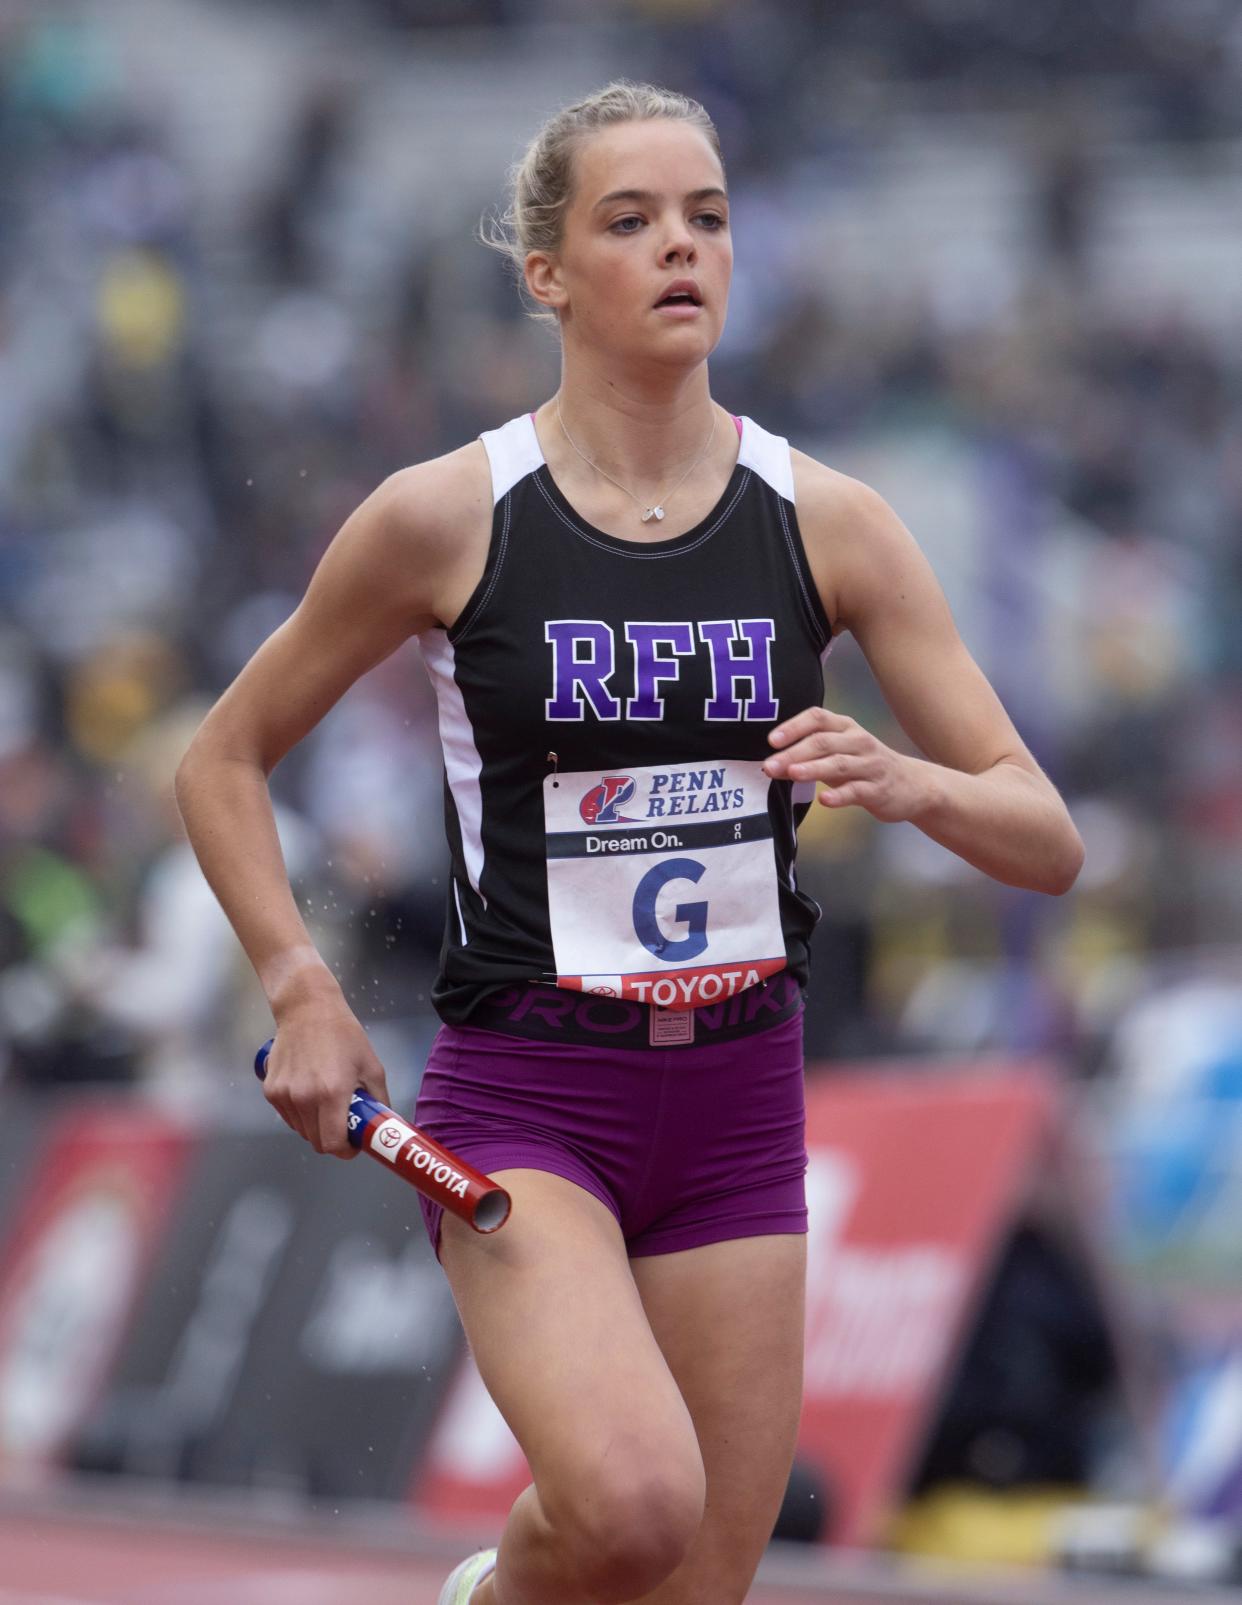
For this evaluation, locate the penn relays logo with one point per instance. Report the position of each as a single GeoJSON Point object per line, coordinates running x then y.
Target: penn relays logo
{"type": "Point", "coordinates": [603, 803]}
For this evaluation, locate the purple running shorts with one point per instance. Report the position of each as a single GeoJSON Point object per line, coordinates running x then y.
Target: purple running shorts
{"type": "Point", "coordinates": [685, 1146]}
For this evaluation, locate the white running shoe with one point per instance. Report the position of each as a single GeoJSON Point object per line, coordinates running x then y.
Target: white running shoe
{"type": "Point", "coordinates": [463, 1579]}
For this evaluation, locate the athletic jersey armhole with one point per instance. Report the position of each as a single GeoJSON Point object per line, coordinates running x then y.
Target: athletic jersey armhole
{"type": "Point", "coordinates": [513, 452]}
{"type": "Point", "coordinates": [769, 457]}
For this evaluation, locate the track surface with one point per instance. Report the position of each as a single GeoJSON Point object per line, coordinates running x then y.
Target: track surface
{"type": "Point", "coordinates": [63, 1562]}
{"type": "Point", "coordinates": [123, 1557]}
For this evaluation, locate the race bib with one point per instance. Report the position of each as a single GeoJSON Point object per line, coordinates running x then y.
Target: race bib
{"type": "Point", "coordinates": [662, 882]}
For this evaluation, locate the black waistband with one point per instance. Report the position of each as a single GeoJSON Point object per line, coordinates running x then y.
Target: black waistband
{"type": "Point", "coordinates": [556, 1014]}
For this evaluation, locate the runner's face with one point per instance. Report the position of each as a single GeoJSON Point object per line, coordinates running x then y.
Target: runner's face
{"type": "Point", "coordinates": [648, 210]}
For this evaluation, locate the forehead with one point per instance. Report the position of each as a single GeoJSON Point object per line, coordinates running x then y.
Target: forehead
{"type": "Point", "coordinates": [658, 154]}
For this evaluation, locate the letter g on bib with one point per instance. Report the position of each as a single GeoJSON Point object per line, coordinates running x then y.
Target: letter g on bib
{"type": "Point", "coordinates": [693, 915]}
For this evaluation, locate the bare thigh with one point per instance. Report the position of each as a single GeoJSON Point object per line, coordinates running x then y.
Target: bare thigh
{"type": "Point", "coordinates": [729, 1318]}
{"type": "Point", "coordinates": [565, 1348]}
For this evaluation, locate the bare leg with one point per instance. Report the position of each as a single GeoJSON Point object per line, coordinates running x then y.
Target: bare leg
{"type": "Point", "coordinates": [564, 1346]}
{"type": "Point", "coordinates": [730, 1320]}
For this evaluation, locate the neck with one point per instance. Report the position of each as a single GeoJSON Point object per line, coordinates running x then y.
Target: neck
{"type": "Point", "coordinates": [641, 430]}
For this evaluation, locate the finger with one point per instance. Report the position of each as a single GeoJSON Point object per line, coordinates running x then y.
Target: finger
{"type": "Point", "coordinates": [375, 1081]}
{"type": "Point", "coordinates": [332, 1128]}
{"type": "Point", "coordinates": [300, 1110]}
{"type": "Point", "coordinates": [842, 796]}
{"type": "Point", "coordinates": [331, 1132]}
{"type": "Point", "coordinates": [836, 767]}
{"type": "Point", "coordinates": [821, 744]}
{"type": "Point", "coordinates": [281, 1101]}
{"type": "Point", "coordinates": [802, 724]}
{"type": "Point", "coordinates": [835, 771]}
{"type": "Point", "coordinates": [818, 745]}
{"type": "Point", "coordinates": [309, 1102]}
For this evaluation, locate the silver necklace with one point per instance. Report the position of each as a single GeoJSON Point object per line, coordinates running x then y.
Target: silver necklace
{"type": "Point", "coordinates": [656, 510]}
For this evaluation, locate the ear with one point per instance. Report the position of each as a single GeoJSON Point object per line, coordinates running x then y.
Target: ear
{"type": "Point", "coordinates": [543, 279]}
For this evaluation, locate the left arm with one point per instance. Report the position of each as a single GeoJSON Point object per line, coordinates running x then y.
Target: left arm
{"type": "Point", "coordinates": [977, 790]}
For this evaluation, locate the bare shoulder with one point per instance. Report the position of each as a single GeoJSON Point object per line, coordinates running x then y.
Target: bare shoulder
{"type": "Point", "coordinates": [855, 543]}
{"type": "Point", "coordinates": [439, 513]}
{"type": "Point", "coordinates": [431, 498]}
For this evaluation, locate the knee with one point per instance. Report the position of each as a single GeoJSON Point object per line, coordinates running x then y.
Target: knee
{"type": "Point", "coordinates": [629, 1523]}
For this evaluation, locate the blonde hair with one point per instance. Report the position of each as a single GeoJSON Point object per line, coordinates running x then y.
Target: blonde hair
{"type": "Point", "coordinates": [541, 184]}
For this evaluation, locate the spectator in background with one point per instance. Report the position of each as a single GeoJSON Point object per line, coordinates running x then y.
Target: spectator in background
{"type": "Point", "coordinates": [166, 979]}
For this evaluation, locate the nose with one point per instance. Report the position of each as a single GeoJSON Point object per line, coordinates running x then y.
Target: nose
{"type": "Point", "coordinates": [679, 246]}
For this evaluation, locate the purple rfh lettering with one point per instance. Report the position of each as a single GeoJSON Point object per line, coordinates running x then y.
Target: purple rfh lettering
{"type": "Point", "coordinates": [579, 676]}
{"type": "Point", "coordinates": [652, 666]}
{"type": "Point", "coordinates": [753, 664]}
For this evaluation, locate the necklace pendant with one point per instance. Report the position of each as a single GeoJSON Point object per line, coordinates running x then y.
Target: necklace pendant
{"type": "Point", "coordinates": [652, 512]}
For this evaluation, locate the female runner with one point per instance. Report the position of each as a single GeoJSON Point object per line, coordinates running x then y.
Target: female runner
{"type": "Point", "coordinates": [623, 600]}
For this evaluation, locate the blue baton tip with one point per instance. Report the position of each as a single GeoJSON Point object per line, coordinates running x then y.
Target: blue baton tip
{"type": "Point", "coordinates": [260, 1059]}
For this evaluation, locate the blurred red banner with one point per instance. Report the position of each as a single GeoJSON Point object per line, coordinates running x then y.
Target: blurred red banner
{"type": "Point", "coordinates": [913, 1184]}
{"type": "Point", "coordinates": [101, 1183]}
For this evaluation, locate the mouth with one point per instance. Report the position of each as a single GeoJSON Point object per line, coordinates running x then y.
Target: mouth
{"type": "Point", "coordinates": [684, 293]}
{"type": "Point", "coordinates": [674, 310]}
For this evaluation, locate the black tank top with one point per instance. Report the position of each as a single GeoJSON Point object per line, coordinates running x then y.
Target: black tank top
{"type": "Point", "coordinates": [620, 865]}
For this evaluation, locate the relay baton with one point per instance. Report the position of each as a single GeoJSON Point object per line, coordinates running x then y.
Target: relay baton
{"type": "Point", "coordinates": [419, 1159]}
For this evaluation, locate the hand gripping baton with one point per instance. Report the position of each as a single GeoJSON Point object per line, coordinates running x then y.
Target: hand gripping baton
{"type": "Point", "coordinates": [438, 1174]}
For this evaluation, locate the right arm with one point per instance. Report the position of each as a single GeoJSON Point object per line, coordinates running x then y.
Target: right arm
{"type": "Point", "coordinates": [390, 573]}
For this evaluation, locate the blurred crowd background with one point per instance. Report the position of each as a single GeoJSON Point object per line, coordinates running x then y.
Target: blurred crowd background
{"type": "Point", "coordinates": [989, 258]}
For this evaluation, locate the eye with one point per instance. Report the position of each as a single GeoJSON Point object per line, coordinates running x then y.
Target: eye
{"type": "Point", "coordinates": [713, 220]}
{"type": "Point", "coordinates": [621, 225]}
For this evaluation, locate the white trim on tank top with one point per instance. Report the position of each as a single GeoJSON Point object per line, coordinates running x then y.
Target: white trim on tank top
{"type": "Point", "coordinates": [513, 451]}
{"type": "Point", "coordinates": [463, 763]}
{"type": "Point", "coordinates": [768, 456]}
